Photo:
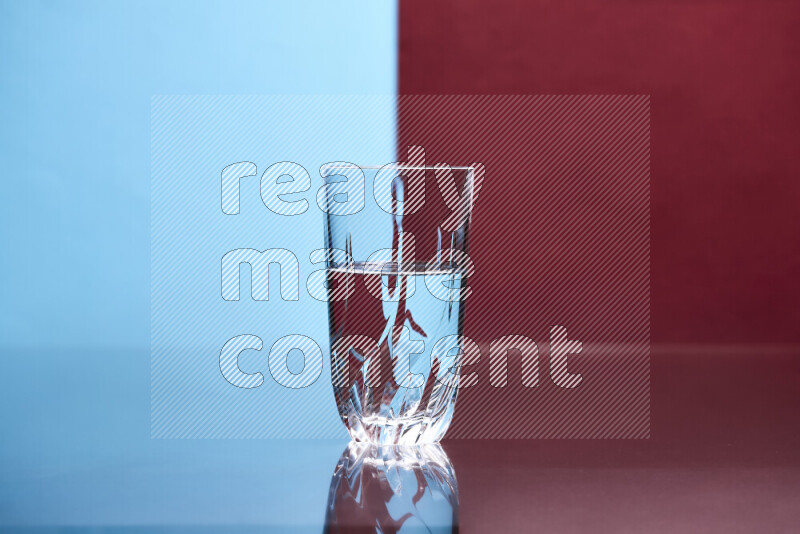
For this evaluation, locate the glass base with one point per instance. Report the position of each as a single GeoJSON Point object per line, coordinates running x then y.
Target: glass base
{"type": "Point", "coordinates": [383, 431]}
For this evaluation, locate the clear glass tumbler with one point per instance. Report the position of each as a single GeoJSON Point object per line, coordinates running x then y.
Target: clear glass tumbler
{"type": "Point", "coordinates": [397, 265]}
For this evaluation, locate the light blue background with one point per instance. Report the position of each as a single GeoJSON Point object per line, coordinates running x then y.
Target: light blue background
{"type": "Point", "coordinates": [76, 80]}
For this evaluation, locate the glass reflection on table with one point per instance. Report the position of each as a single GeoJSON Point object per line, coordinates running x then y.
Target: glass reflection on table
{"type": "Point", "coordinates": [393, 489]}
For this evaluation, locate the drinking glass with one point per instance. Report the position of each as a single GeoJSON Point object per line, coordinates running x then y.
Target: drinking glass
{"type": "Point", "coordinates": [397, 266]}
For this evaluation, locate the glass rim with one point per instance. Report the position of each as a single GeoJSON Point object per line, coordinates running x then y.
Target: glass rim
{"type": "Point", "coordinates": [402, 167]}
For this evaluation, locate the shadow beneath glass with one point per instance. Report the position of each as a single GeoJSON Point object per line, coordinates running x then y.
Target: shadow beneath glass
{"type": "Point", "coordinates": [393, 489]}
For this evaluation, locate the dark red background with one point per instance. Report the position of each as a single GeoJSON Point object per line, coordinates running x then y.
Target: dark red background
{"type": "Point", "coordinates": [724, 84]}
